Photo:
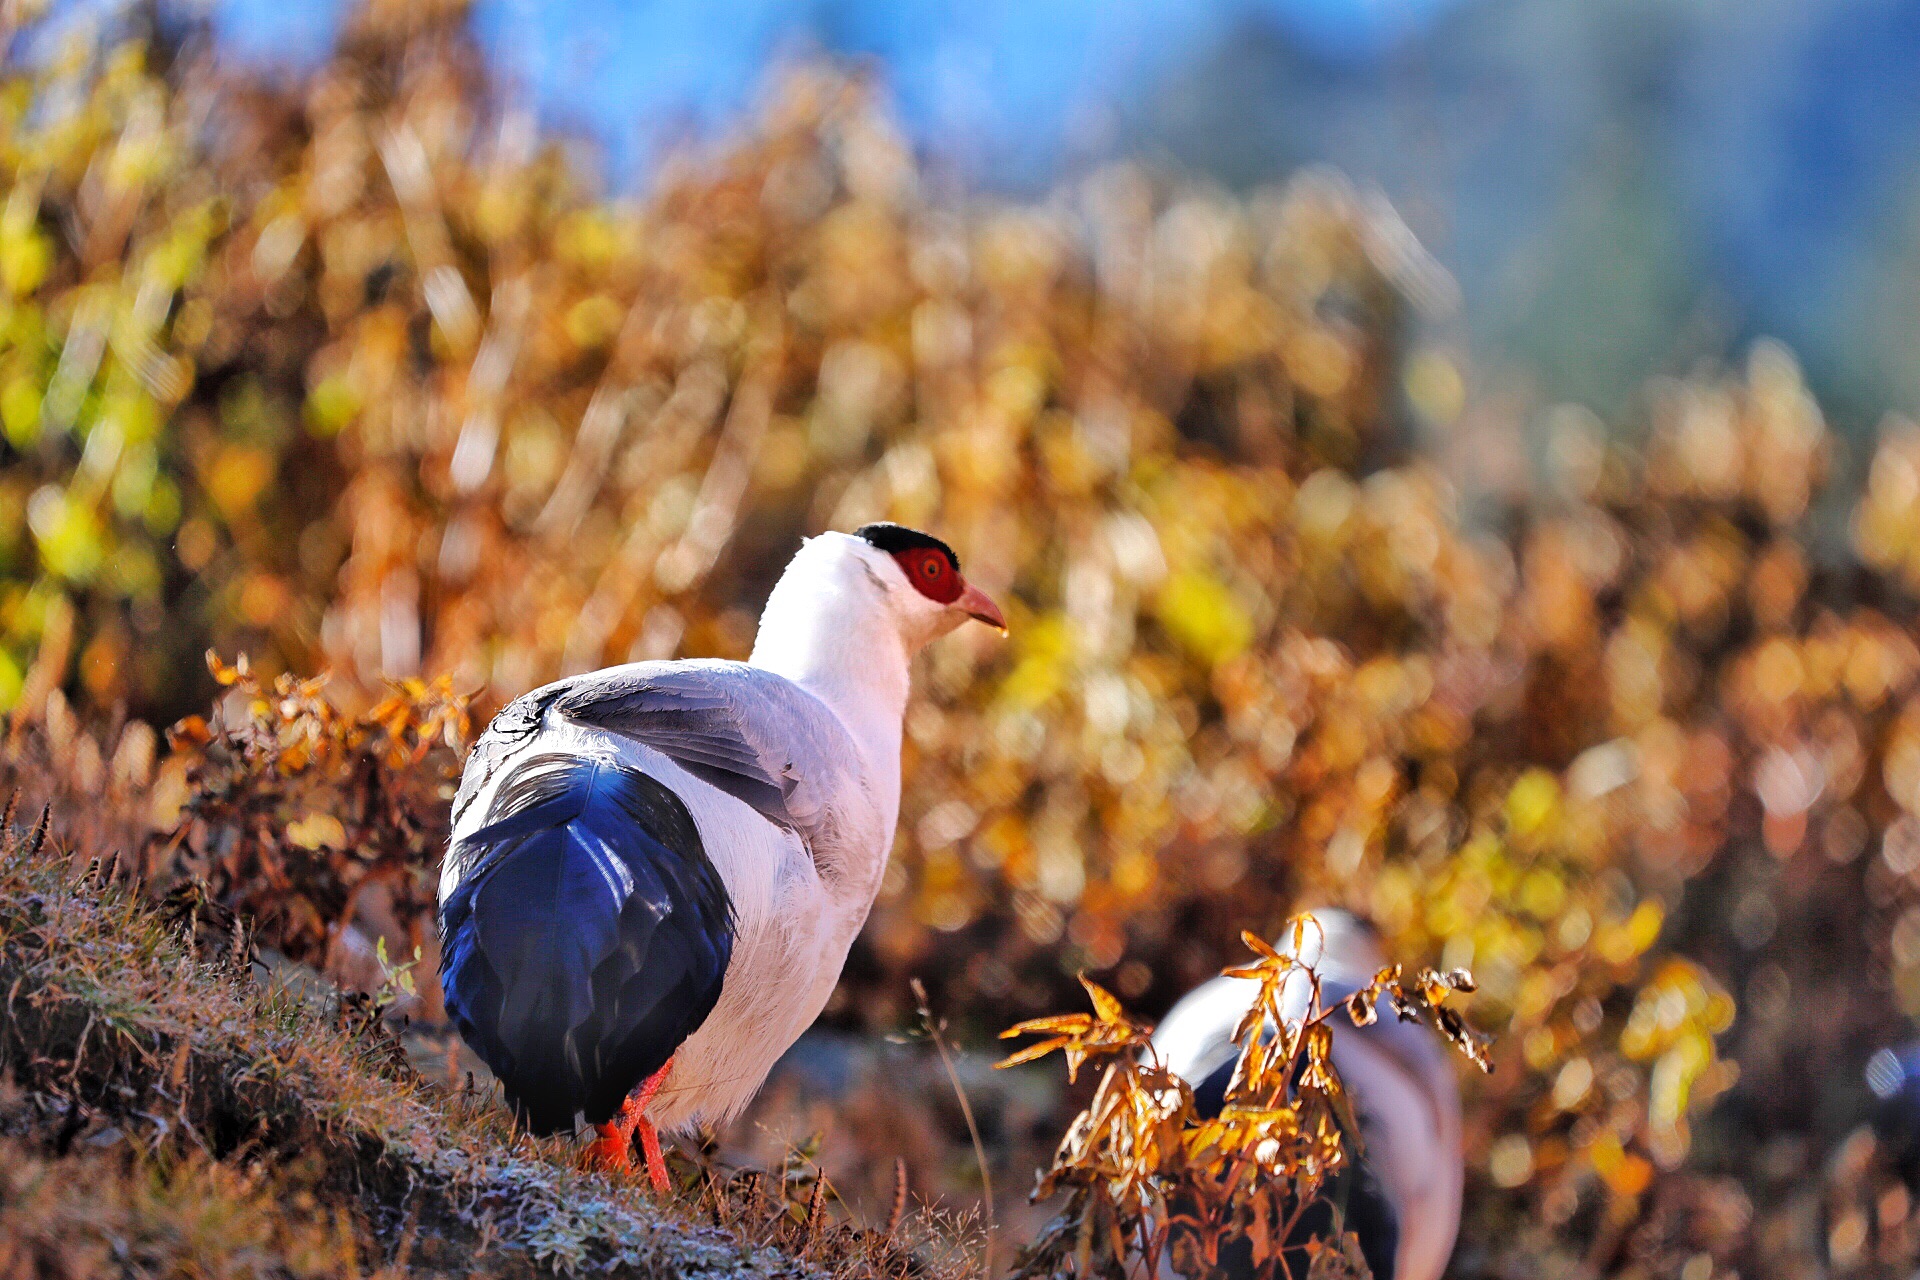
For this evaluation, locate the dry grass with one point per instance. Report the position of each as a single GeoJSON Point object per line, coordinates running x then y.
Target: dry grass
{"type": "Point", "coordinates": [126, 1211]}
{"type": "Point", "coordinates": [165, 1112]}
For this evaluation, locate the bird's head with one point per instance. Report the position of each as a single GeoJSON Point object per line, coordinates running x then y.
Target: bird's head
{"type": "Point", "coordinates": [920, 579]}
{"type": "Point", "coordinates": [853, 608]}
{"type": "Point", "coordinates": [850, 612]}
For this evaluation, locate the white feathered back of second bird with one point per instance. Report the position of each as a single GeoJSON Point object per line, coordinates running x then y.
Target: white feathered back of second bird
{"type": "Point", "coordinates": [1396, 1074]}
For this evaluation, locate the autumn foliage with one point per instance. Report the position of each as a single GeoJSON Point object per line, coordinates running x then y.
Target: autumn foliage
{"type": "Point", "coordinates": [1147, 1179]}
{"type": "Point", "coordinates": [309, 819]}
{"type": "Point", "coordinates": [362, 375]}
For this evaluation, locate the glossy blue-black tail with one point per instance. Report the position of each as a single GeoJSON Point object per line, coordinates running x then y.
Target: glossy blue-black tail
{"type": "Point", "coordinates": [587, 939]}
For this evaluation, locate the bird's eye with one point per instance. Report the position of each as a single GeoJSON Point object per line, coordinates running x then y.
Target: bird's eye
{"type": "Point", "coordinates": [931, 574]}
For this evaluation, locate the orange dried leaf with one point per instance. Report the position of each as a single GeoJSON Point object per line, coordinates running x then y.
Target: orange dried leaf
{"type": "Point", "coordinates": [1105, 1006]}
{"type": "Point", "coordinates": [191, 731]}
{"type": "Point", "coordinates": [1032, 1052]}
{"type": "Point", "coordinates": [1258, 945]}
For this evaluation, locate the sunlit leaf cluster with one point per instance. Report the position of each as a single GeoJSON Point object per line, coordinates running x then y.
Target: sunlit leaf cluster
{"type": "Point", "coordinates": [1147, 1178]}
{"type": "Point", "coordinates": [309, 819]}
{"type": "Point", "coordinates": [363, 374]}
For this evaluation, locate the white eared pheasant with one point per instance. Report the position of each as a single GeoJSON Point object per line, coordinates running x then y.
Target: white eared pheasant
{"type": "Point", "coordinates": [1402, 1197]}
{"type": "Point", "coordinates": [657, 869]}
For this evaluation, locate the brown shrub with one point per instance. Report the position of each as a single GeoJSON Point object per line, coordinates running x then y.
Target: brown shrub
{"type": "Point", "coordinates": [1149, 1181]}
{"type": "Point", "coordinates": [310, 820]}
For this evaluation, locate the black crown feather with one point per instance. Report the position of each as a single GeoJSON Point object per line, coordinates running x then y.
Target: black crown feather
{"type": "Point", "coordinates": [895, 538]}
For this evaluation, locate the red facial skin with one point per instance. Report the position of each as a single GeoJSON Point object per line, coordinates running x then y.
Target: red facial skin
{"type": "Point", "coordinates": [931, 573]}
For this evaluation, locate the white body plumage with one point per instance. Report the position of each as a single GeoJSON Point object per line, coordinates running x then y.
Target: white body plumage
{"type": "Point", "coordinates": [812, 720]}
{"type": "Point", "coordinates": [793, 930]}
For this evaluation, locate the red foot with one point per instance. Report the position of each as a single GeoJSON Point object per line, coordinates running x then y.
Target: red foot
{"type": "Point", "coordinates": [611, 1151]}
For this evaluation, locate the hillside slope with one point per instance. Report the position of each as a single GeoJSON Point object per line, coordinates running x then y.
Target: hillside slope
{"type": "Point", "coordinates": [164, 1113]}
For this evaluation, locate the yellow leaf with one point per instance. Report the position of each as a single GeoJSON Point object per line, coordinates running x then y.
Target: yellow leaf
{"type": "Point", "coordinates": [1032, 1052]}
{"type": "Point", "coordinates": [1104, 1004]}
{"type": "Point", "coordinates": [1203, 615]}
{"type": "Point", "coordinates": [1072, 1023]}
{"type": "Point", "coordinates": [236, 477]}
{"type": "Point", "coordinates": [317, 831]}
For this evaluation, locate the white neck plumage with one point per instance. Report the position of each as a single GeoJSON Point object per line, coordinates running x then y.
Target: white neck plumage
{"type": "Point", "coordinates": [828, 627]}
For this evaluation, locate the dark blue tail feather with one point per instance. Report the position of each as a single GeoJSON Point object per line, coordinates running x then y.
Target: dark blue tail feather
{"type": "Point", "coordinates": [588, 938]}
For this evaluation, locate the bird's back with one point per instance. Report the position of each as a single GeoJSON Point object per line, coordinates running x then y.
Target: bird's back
{"type": "Point", "coordinates": [1404, 1199]}
{"type": "Point", "coordinates": [658, 899]}
{"type": "Point", "coordinates": [588, 937]}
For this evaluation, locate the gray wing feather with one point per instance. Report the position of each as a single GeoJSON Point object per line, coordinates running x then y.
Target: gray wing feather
{"type": "Point", "coordinates": [512, 729]}
{"type": "Point", "coordinates": [755, 735]}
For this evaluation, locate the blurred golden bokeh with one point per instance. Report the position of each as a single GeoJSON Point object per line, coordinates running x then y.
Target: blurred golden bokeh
{"type": "Point", "coordinates": [361, 377]}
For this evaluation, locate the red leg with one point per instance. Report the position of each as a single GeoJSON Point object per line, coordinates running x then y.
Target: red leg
{"type": "Point", "coordinates": [612, 1150]}
{"type": "Point", "coordinates": [656, 1163]}
{"type": "Point", "coordinates": [650, 1136]}
{"type": "Point", "coordinates": [651, 1085]}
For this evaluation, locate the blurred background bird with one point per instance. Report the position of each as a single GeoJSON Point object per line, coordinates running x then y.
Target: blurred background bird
{"type": "Point", "coordinates": [1893, 1075]}
{"type": "Point", "coordinates": [1402, 1196]}
{"type": "Point", "coordinates": [657, 869]}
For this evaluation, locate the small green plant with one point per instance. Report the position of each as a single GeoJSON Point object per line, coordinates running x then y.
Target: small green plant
{"type": "Point", "coordinates": [396, 980]}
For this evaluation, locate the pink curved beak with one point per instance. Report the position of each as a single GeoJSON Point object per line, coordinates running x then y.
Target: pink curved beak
{"type": "Point", "coordinates": [978, 604]}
